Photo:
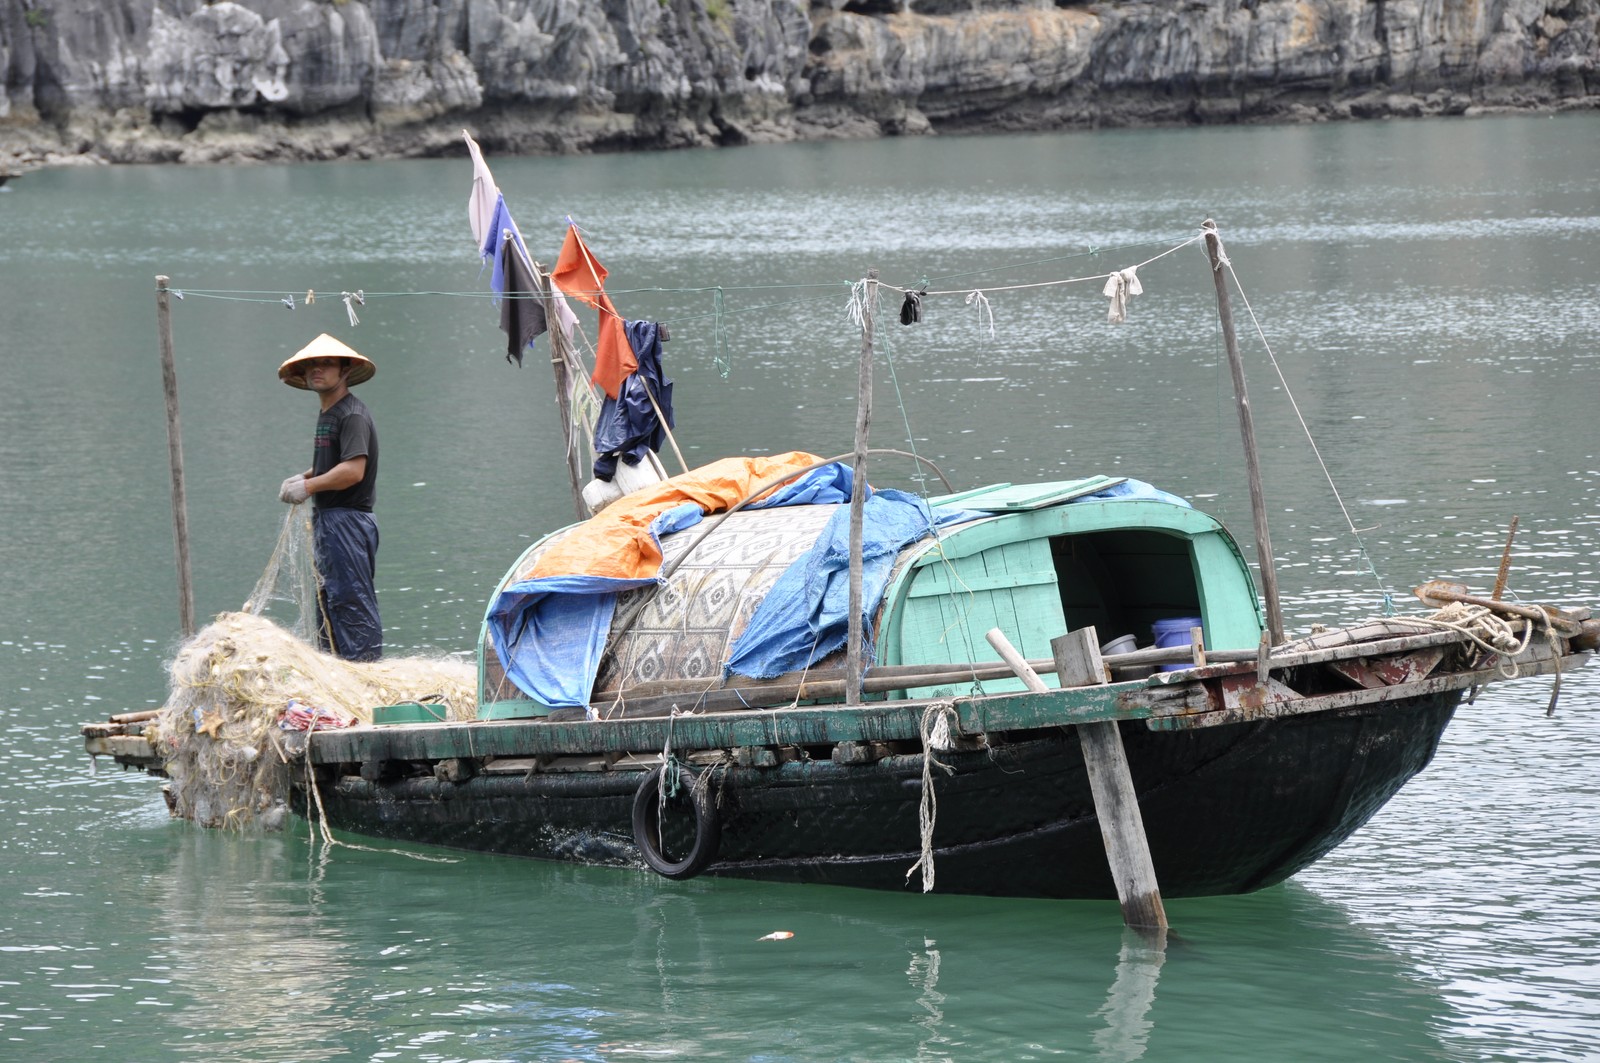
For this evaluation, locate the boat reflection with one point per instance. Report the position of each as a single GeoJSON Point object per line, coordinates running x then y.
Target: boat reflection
{"type": "Point", "coordinates": [521, 959]}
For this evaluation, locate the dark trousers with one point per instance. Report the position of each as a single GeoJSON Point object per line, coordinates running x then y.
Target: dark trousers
{"type": "Point", "coordinates": [346, 543]}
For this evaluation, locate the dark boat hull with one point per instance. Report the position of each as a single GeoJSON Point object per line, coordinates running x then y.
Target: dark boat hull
{"type": "Point", "coordinates": [1227, 809]}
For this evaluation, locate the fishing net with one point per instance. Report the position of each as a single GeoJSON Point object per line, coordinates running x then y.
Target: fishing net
{"type": "Point", "coordinates": [237, 678]}
{"type": "Point", "coordinates": [289, 582]}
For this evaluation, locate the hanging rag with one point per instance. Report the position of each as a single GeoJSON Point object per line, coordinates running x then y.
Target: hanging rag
{"type": "Point", "coordinates": [501, 229]}
{"type": "Point", "coordinates": [580, 275]}
{"type": "Point", "coordinates": [1119, 286]}
{"type": "Point", "coordinates": [522, 316]}
{"type": "Point", "coordinates": [911, 309]}
{"type": "Point", "coordinates": [629, 426]}
{"type": "Point", "coordinates": [482, 201]}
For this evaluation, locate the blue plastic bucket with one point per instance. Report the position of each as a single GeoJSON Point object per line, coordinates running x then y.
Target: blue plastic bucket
{"type": "Point", "coordinates": [1174, 631]}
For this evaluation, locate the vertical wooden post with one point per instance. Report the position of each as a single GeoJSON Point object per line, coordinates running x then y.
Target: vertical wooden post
{"type": "Point", "coordinates": [180, 505]}
{"type": "Point", "coordinates": [1116, 805]}
{"type": "Point", "coordinates": [858, 494]}
{"type": "Point", "coordinates": [1252, 460]}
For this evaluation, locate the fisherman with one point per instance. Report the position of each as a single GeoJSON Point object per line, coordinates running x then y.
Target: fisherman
{"type": "Point", "coordinates": [342, 479]}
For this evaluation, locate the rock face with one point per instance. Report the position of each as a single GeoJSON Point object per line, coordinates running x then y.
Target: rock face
{"type": "Point", "coordinates": [190, 80]}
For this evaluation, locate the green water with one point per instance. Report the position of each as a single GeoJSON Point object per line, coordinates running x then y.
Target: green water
{"type": "Point", "coordinates": [1428, 289]}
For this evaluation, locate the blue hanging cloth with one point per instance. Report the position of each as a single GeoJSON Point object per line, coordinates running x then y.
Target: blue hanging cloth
{"type": "Point", "coordinates": [628, 425]}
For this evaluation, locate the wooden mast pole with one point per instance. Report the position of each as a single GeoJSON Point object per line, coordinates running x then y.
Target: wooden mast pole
{"type": "Point", "coordinates": [1252, 460]}
{"type": "Point", "coordinates": [180, 505]}
{"type": "Point", "coordinates": [858, 493]}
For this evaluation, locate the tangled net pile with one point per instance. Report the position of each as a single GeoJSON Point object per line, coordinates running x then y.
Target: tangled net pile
{"type": "Point", "coordinates": [235, 678]}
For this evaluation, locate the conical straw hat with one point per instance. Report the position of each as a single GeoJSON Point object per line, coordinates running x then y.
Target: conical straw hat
{"type": "Point", "coordinates": [292, 372]}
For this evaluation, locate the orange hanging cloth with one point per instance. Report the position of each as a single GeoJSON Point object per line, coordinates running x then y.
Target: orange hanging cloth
{"type": "Point", "coordinates": [581, 276]}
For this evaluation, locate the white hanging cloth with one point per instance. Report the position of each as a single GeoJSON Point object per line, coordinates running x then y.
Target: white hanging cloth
{"type": "Point", "coordinates": [1119, 286]}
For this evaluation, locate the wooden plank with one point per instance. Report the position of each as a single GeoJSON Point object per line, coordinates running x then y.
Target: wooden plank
{"type": "Point", "coordinates": [1024, 497]}
{"type": "Point", "coordinates": [1078, 660]}
{"type": "Point", "coordinates": [1116, 806]}
{"type": "Point", "coordinates": [1387, 671]}
{"type": "Point", "coordinates": [1249, 712]}
{"type": "Point", "coordinates": [962, 496]}
{"type": "Point", "coordinates": [1078, 663]}
{"type": "Point", "coordinates": [128, 750]}
{"type": "Point", "coordinates": [1116, 802]}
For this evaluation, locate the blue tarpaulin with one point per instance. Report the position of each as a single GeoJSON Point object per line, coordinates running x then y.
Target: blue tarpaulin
{"type": "Point", "coordinates": [806, 614]}
{"type": "Point", "coordinates": [550, 631]}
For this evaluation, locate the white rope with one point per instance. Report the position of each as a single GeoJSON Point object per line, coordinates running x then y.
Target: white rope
{"type": "Point", "coordinates": [1289, 394]}
{"type": "Point", "coordinates": [857, 306]}
{"type": "Point", "coordinates": [978, 299]}
{"type": "Point", "coordinates": [936, 721]}
{"type": "Point", "coordinates": [351, 301]}
{"type": "Point", "coordinates": [329, 841]}
{"type": "Point", "coordinates": [1484, 628]}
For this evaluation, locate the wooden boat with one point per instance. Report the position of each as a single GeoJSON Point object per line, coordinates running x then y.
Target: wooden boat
{"type": "Point", "coordinates": [991, 746]}
{"type": "Point", "coordinates": [1249, 762]}
{"type": "Point", "coordinates": [1247, 767]}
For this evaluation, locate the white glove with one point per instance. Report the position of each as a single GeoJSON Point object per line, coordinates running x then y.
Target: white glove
{"type": "Point", "coordinates": [293, 490]}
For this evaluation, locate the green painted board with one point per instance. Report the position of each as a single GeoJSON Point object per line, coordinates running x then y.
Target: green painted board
{"type": "Point", "coordinates": [1013, 498]}
{"type": "Point", "coordinates": [952, 604]}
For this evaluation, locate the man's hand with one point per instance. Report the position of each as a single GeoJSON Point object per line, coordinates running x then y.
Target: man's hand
{"type": "Point", "coordinates": [294, 490]}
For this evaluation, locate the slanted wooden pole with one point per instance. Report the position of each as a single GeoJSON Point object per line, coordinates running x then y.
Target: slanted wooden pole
{"type": "Point", "coordinates": [1252, 460]}
{"type": "Point", "coordinates": [1505, 563]}
{"type": "Point", "coordinates": [858, 493]}
{"type": "Point", "coordinates": [1116, 805]}
{"type": "Point", "coordinates": [561, 362]}
{"type": "Point", "coordinates": [180, 504]}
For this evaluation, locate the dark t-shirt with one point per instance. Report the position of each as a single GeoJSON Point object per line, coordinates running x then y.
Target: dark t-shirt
{"type": "Point", "coordinates": [344, 431]}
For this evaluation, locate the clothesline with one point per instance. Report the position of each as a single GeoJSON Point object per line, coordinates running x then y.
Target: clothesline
{"type": "Point", "coordinates": [278, 295]}
{"type": "Point", "coordinates": [1047, 284]}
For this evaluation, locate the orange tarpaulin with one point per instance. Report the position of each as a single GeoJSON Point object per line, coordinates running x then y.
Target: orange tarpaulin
{"type": "Point", "coordinates": [580, 275]}
{"type": "Point", "coordinates": [616, 543]}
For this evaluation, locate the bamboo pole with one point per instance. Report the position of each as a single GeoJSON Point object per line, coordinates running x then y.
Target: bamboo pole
{"type": "Point", "coordinates": [1252, 460]}
{"type": "Point", "coordinates": [560, 362]}
{"type": "Point", "coordinates": [858, 493]}
{"type": "Point", "coordinates": [180, 505]}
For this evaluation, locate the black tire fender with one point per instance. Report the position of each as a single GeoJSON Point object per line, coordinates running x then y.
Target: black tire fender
{"type": "Point", "coordinates": [647, 818]}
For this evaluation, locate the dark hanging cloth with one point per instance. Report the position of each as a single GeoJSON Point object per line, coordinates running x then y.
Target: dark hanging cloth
{"type": "Point", "coordinates": [628, 425]}
{"type": "Point", "coordinates": [521, 311]}
{"type": "Point", "coordinates": [911, 309]}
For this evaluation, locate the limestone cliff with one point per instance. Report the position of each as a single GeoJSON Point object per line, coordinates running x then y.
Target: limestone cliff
{"type": "Point", "coordinates": [191, 80]}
